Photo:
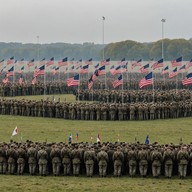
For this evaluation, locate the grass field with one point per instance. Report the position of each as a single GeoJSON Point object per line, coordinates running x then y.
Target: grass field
{"type": "Point", "coordinates": [42, 129]}
{"type": "Point", "coordinates": [65, 97]}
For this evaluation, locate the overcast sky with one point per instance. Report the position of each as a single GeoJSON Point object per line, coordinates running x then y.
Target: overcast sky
{"type": "Point", "coordinates": [78, 21]}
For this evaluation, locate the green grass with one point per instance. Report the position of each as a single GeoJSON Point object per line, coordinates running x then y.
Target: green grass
{"type": "Point", "coordinates": [41, 129]}
{"type": "Point", "coordinates": [57, 184]}
{"type": "Point", "coordinates": [65, 97]}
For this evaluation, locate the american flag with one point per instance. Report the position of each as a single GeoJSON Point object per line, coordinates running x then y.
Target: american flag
{"type": "Point", "coordinates": [90, 82]}
{"type": "Point", "coordinates": [6, 79]}
{"type": "Point", "coordinates": [165, 70]}
{"type": "Point", "coordinates": [2, 62]}
{"type": "Point", "coordinates": [63, 62]}
{"type": "Point", "coordinates": [122, 62]}
{"type": "Point", "coordinates": [117, 70]}
{"type": "Point", "coordinates": [177, 62]}
{"type": "Point", "coordinates": [43, 61]}
{"type": "Point", "coordinates": [145, 68]}
{"type": "Point", "coordinates": [118, 82]}
{"type": "Point", "coordinates": [31, 63]}
{"type": "Point", "coordinates": [55, 70]}
{"type": "Point", "coordinates": [182, 69]}
{"type": "Point", "coordinates": [97, 65]}
{"type": "Point", "coordinates": [187, 80]}
{"type": "Point", "coordinates": [84, 69]}
{"type": "Point", "coordinates": [50, 62]}
{"type": "Point", "coordinates": [173, 73]}
{"type": "Point", "coordinates": [10, 61]}
{"type": "Point", "coordinates": [21, 62]}
{"type": "Point", "coordinates": [147, 80]}
{"type": "Point", "coordinates": [137, 63]}
{"type": "Point", "coordinates": [22, 69]}
{"type": "Point", "coordinates": [10, 71]}
{"type": "Point", "coordinates": [40, 71]}
{"type": "Point", "coordinates": [105, 62]}
{"type": "Point", "coordinates": [157, 64]}
{"type": "Point", "coordinates": [95, 74]}
{"type": "Point", "coordinates": [112, 69]}
{"type": "Point", "coordinates": [73, 81]}
{"type": "Point", "coordinates": [189, 64]}
{"type": "Point", "coordinates": [101, 70]}
{"type": "Point", "coordinates": [34, 81]}
{"type": "Point", "coordinates": [21, 80]}
{"type": "Point", "coordinates": [89, 62]}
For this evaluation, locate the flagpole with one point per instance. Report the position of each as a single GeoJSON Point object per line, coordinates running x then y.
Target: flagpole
{"type": "Point", "coordinates": [45, 82]}
{"type": "Point", "coordinates": [103, 39]}
{"type": "Point", "coordinates": [153, 88]}
{"type": "Point", "coordinates": [122, 86]}
{"type": "Point", "coordinates": [79, 84]}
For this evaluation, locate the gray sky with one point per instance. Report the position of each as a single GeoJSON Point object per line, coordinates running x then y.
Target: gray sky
{"type": "Point", "coordinates": [78, 21]}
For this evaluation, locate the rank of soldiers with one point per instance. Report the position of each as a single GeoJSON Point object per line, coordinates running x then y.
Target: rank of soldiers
{"type": "Point", "coordinates": [97, 111]}
{"type": "Point", "coordinates": [103, 159]}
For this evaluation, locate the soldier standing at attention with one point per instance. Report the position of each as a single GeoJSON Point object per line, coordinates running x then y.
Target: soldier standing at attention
{"type": "Point", "coordinates": [168, 157]}
{"type": "Point", "coordinates": [42, 157]}
{"type": "Point", "coordinates": [56, 159]}
{"type": "Point", "coordinates": [32, 159]}
{"type": "Point", "coordinates": [102, 158]}
{"type": "Point", "coordinates": [183, 157]}
{"type": "Point", "coordinates": [118, 158]}
{"type": "Point", "coordinates": [89, 159]}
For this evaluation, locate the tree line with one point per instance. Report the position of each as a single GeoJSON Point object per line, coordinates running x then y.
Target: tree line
{"type": "Point", "coordinates": [129, 49]}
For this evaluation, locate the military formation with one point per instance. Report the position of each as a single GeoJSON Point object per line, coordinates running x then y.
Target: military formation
{"type": "Point", "coordinates": [96, 159]}
{"type": "Point", "coordinates": [133, 96]}
{"type": "Point", "coordinates": [166, 105]}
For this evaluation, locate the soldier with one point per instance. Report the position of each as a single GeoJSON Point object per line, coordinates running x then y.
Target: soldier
{"type": "Point", "coordinates": [89, 159]}
{"type": "Point", "coordinates": [143, 158]}
{"type": "Point", "coordinates": [132, 161]}
{"type": "Point", "coordinates": [102, 158]}
{"type": "Point", "coordinates": [168, 157]}
{"type": "Point", "coordinates": [42, 157]}
{"type": "Point", "coordinates": [32, 159]}
{"type": "Point", "coordinates": [3, 160]}
{"type": "Point", "coordinates": [21, 158]}
{"type": "Point", "coordinates": [56, 159]}
{"type": "Point", "coordinates": [182, 158]}
{"type": "Point", "coordinates": [12, 156]}
{"type": "Point", "coordinates": [156, 158]}
{"type": "Point", "coordinates": [76, 160]}
{"type": "Point", "coordinates": [118, 158]}
{"type": "Point", "coordinates": [66, 160]}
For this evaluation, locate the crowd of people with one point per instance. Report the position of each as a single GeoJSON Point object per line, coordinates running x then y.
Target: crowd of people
{"type": "Point", "coordinates": [97, 111]}
{"type": "Point", "coordinates": [133, 96]}
{"type": "Point", "coordinates": [92, 159]}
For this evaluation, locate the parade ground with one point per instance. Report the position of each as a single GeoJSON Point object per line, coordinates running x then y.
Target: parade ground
{"type": "Point", "coordinates": [58, 130]}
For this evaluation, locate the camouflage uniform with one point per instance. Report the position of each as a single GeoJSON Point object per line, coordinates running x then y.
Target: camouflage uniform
{"type": "Point", "coordinates": [21, 158]}
{"type": "Point", "coordinates": [32, 159]}
{"type": "Point", "coordinates": [42, 157]}
{"type": "Point", "coordinates": [118, 158]}
{"type": "Point", "coordinates": [102, 158]}
{"type": "Point", "coordinates": [66, 160]}
{"type": "Point", "coordinates": [89, 159]}
{"type": "Point", "coordinates": [182, 157]}
{"type": "Point", "coordinates": [56, 160]}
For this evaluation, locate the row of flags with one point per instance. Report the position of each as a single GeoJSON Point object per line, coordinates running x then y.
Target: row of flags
{"type": "Point", "coordinates": [70, 139]}
{"type": "Point", "coordinates": [64, 62]}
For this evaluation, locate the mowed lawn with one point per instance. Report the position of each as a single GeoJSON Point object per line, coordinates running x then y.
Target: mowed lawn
{"type": "Point", "coordinates": [57, 130]}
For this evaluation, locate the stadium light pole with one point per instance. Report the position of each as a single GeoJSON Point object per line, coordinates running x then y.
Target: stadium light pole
{"type": "Point", "coordinates": [163, 21]}
{"type": "Point", "coordinates": [103, 34]}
